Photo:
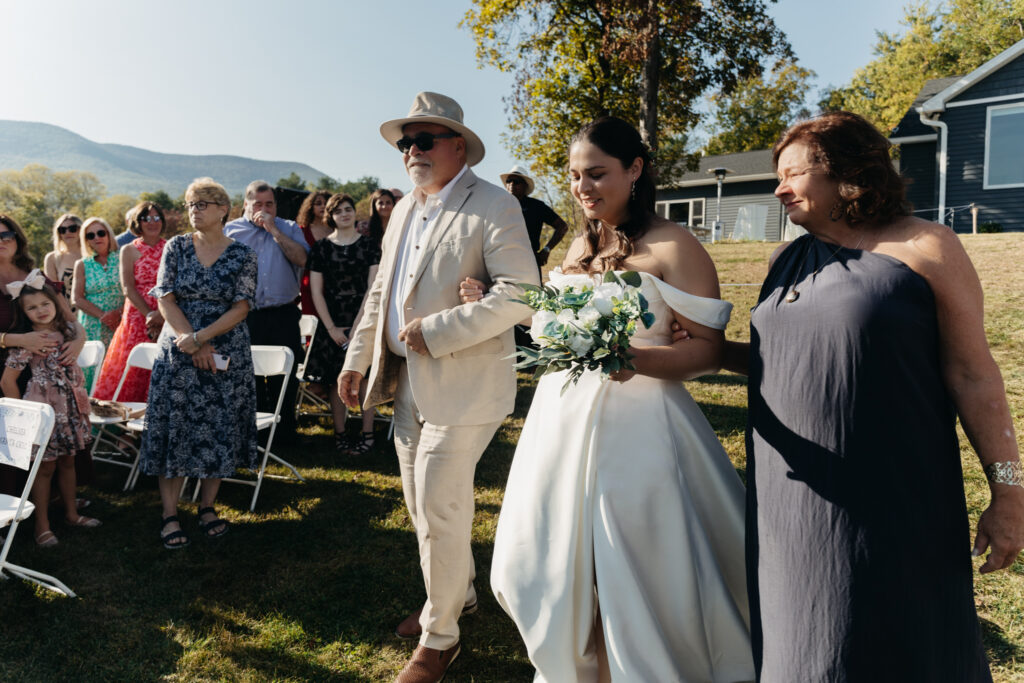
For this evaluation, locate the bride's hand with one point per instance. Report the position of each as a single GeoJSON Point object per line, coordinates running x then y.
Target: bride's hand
{"type": "Point", "coordinates": [471, 290]}
{"type": "Point", "coordinates": [622, 375]}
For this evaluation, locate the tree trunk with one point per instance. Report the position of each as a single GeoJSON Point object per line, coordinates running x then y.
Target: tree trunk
{"type": "Point", "coordinates": [649, 83]}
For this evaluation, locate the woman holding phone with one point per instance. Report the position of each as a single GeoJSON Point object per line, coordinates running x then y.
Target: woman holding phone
{"type": "Point", "coordinates": [201, 419]}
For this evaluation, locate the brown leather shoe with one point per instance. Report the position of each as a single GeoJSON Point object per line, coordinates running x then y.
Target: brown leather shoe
{"type": "Point", "coordinates": [410, 628]}
{"type": "Point", "coordinates": [428, 665]}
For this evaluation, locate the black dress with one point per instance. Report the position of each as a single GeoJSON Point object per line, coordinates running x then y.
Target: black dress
{"type": "Point", "coordinates": [344, 270]}
{"type": "Point", "coordinates": [858, 546]}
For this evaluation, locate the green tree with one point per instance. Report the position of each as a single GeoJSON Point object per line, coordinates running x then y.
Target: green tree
{"type": "Point", "coordinates": [112, 209]}
{"type": "Point", "coordinates": [162, 199]}
{"type": "Point", "coordinates": [35, 196]}
{"type": "Point", "coordinates": [953, 39]}
{"type": "Point", "coordinates": [360, 188]}
{"type": "Point", "coordinates": [646, 61]}
{"type": "Point", "coordinates": [759, 110]}
{"type": "Point", "coordinates": [327, 183]}
{"type": "Point", "coordinates": [292, 181]}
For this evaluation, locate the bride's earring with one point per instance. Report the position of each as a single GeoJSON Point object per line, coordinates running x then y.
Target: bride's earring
{"type": "Point", "coordinates": [632, 190]}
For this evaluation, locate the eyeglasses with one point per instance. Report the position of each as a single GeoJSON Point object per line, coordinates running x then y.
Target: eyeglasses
{"type": "Point", "coordinates": [65, 229]}
{"type": "Point", "coordinates": [8, 236]}
{"type": "Point", "coordinates": [94, 235]}
{"type": "Point", "coordinates": [200, 206]}
{"type": "Point", "coordinates": [151, 219]}
{"type": "Point", "coordinates": [423, 141]}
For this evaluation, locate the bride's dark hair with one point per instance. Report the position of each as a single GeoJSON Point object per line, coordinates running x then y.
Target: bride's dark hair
{"type": "Point", "coordinates": [618, 139]}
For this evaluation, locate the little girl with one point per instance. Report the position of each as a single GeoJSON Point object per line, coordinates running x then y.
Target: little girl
{"type": "Point", "coordinates": [60, 386]}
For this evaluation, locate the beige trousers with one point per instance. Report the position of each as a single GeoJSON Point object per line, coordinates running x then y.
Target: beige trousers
{"type": "Point", "coordinates": [438, 463]}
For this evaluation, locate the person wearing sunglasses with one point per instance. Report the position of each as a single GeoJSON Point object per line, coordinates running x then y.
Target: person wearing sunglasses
{"type": "Point", "coordinates": [535, 212]}
{"type": "Point", "coordinates": [141, 320]}
{"type": "Point", "coordinates": [96, 291]}
{"type": "Point", "coordinates": [281, 250]}
{"type": "Point", "coordinates": [59, 264]}
{"type": "Point", "coordinates": [15, 265]}
{"type": "Point", "coordinates": [448, 366]}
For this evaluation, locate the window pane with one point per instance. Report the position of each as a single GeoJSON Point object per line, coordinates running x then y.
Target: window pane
{"type": "Point", "coordinates": [661, 209]}
{"type": "Point", "coordinates": [1006, 146]}
{"type": "Point", "coordinates": [698, 212]}
{"type": "Point", "coordinates": [679, 212]}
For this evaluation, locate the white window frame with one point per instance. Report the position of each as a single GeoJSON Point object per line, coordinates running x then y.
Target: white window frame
{"type": "Point", "coordinates": [988, 126]}
{"type": "Point", "coordinates": [666, 203]}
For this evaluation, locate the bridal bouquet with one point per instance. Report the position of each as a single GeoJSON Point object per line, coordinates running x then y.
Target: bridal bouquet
{"type": "Point", "coordinates": [584, 327]}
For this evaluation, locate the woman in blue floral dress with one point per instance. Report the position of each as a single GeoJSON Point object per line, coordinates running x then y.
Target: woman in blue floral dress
{"type": "Point", "coordinates": [201, 420]}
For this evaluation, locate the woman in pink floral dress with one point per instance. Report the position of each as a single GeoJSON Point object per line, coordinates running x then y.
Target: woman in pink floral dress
{"type": "Point", "coordinates": [141, 322]}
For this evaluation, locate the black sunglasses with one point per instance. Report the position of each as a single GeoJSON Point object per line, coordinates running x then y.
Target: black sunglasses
{"type": "Point", "coordinates": [94, 235]}
{"type": "Point", "coordinates": [65, 229]}
{"type": "Point", "coordinates": [8, 236]}
{"type": "Point", "coordinates": [423, 141]}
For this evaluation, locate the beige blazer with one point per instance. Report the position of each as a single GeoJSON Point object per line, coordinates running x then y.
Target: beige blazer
{"type": "Point", "coordinates": [467, 378]}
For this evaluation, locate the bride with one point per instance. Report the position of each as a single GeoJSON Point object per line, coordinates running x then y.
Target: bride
{"type": "Point", "coordinates": [619, 549]}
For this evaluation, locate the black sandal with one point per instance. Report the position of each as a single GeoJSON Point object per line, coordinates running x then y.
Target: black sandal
{"type": "Point", "coordinates": [363, 445]}
{"type": "Point", "coordinates": [342, 443]}
{"type": "Point", "coordinates": [174, 535]}
{"type": "Point", "coordinates": [206, 527]}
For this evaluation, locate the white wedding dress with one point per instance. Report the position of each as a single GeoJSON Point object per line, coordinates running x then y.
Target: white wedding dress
{"type": "Point", "coordinates": [621, 496]}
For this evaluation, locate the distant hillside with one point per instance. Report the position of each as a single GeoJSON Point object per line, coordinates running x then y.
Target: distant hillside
{"type": "Point", "coordinates": [131, 170]}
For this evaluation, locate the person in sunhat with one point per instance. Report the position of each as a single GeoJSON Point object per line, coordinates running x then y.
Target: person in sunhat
{"type": "Point", "coordinates": [535, 212]}
{"type": "Point", "coordinates": [448, 366]}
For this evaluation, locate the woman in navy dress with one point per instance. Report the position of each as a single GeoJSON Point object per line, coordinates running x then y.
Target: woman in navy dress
{"type": "Point", "coordinates": [201, 419]}
{"type": "Point", "coordinates": [866, 344]}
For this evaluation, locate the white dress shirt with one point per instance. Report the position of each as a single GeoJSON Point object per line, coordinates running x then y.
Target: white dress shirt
{"type": "Point", "coordinates": [422, 221]}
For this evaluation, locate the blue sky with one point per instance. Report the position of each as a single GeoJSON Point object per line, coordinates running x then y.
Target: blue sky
{"type": "Point", "coordinates": [304, 80]}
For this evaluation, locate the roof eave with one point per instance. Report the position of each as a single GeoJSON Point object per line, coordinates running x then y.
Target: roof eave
{"type": "Point", "coordinates": [937, 103]}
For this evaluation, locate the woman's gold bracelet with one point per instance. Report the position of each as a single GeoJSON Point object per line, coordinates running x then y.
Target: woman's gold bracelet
{"type": "Point", "coordinates": [3, 340]}
{"type": "Point", "coordinates": [1007, 472]}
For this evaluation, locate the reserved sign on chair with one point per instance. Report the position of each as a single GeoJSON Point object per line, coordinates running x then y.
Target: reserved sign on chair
{"type": "Point", "coordinates": [18, 427]}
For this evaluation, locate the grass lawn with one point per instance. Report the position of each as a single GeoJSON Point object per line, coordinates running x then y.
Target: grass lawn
{"type": "Point", "coordinates": [311, 585]}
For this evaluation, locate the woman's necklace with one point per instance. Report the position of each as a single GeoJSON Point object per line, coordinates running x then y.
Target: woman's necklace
{"type": "Point", "coordinates": [794, 293]}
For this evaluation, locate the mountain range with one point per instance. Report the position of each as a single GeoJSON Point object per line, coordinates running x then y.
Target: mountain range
{"type": "Point", "coordinates": [131, 170]}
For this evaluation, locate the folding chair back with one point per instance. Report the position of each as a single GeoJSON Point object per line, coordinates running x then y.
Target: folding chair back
{"type": "Point", "coordinates": [142, 356]}
{"type": "Point", "coordinates": [91, 356]}
{"type": "Point", "coordinates": [268, 361]}
{"type": "Point", "coordinates": [116, 448]}
{"type": "Point", "coordinates": [307, 326]}
{"type": "Point", "coordinates": [25, 427]}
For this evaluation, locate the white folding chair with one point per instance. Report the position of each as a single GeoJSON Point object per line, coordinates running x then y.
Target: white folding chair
{"type": "Point", "coordinates": [124, 452]}
{"type": "Point", "coordinates": [267, 361]}
{"type": "Point", "coordinates": [91, 356]}
{"type": "Point", "coordinates": [315, 405]}
{"type": "Point", "coordinates": [24, 426]}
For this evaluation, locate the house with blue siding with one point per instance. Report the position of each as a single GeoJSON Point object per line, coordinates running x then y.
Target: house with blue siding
{"type": "Point", "coordinates": [962, 145]}
{"type": "Point", "coordinates": [748, 198]}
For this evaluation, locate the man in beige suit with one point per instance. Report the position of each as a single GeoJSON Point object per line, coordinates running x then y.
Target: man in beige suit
{"type": "Point", "coordinates": [446, 364]}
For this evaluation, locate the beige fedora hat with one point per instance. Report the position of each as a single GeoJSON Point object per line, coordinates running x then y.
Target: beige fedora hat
{"type": "Point", "coordinates": [522, 173]}
{"type": "Point", "coordinates": [430, 107]}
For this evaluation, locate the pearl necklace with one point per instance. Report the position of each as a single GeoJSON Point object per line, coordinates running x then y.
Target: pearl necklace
{"type": "Point", "coordinates": [794, 293]}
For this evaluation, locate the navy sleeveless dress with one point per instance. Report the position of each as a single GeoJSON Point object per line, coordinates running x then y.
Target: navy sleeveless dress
{"type": "Point", "coordinates": [858, 545]}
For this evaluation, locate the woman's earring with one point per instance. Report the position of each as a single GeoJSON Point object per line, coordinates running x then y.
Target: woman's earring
{"type": "Point", "coordinates": [836, 212]}
{"type": "Point", "coordinates": [632, 190]}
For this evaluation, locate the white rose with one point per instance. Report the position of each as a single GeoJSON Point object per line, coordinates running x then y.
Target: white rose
{"type": "Point", "coordinates": [566, 316]}
{"type": "Point", "coordinates": [580, 343]}
{"type": "Point", "coordinates": [588, 317]}
{"type": "Point", "coordinates": [540, 321]}
{"type": "Point", "coordinates": [603, 295]}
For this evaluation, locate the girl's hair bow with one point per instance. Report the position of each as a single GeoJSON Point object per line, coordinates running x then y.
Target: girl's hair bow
{"type": "Point", "coordinates": [35, 280]}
